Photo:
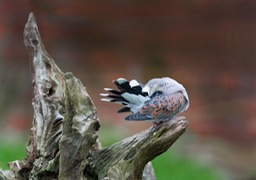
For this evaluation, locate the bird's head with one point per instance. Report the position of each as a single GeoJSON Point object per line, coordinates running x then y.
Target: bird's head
{"type": "Point", "coordinates": [164, 85]}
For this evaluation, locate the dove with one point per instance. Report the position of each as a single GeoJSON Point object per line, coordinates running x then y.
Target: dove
{"type": "Point", "coordinates": [159, 100]}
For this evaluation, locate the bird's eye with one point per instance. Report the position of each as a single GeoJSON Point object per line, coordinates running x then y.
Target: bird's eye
{"type": "Point", "coordinates": [165, 84]}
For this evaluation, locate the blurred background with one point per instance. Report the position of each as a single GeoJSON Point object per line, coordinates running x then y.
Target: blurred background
{"type": "Point", "coordinates": [208, 46]}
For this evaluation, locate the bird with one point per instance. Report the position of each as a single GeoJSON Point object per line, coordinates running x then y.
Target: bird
{"type": "Point", "coordinates": [159, 100]}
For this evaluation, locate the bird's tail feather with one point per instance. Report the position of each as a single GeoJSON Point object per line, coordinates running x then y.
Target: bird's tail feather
{"type": "Point", "coordinates": [128, 94]}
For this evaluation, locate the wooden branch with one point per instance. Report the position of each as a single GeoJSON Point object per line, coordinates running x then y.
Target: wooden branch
{"type": "Point", "coordinates": [63, 143]}
{"type": "Point", "coordinates": [79, 129]}
{"type": "Point", "coordinates": [126, 159]}
{"type": "Point", "coordinates": [48, 103]}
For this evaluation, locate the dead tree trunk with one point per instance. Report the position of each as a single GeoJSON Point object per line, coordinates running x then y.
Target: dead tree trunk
{"type": "Point", "coordinates": [63, 143]}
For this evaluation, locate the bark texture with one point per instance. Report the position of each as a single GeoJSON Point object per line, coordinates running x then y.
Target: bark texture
{"type": "Point", "coordinates": [63, 143]}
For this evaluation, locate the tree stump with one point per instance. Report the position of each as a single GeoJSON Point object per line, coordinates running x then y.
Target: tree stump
{"type": "Point", "coordinates": [63, 143]}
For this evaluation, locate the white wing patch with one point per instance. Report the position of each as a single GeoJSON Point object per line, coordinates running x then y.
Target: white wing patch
{"type": "Point", "coordinates": [121, 80]}
{"type": "Point", "coordinates": [134, 83]}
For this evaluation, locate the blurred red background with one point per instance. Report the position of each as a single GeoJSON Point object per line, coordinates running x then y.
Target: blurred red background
{"type": "Point", "coordinates": [208, 46]}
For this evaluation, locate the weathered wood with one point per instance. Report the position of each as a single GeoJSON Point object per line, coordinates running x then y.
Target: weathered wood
{"type": "Point", "coordinates": [63, 143]}
{"type": "Point", "coordinates": [80, 125]}
{"type": "Point", "coordinates": [126, 159]}
{"type": "Point", "coordinates": [49, 108]}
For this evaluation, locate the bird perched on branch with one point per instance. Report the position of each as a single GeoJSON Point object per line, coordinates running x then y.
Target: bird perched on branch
{"type": "Point", "coordinates": [158, 101]}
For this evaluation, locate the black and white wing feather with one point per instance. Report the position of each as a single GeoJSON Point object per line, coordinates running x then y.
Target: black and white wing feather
{"type": "Point", "coordinates": [128, 94]}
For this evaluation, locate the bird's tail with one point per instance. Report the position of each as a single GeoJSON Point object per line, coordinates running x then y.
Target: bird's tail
{"type": "Point", "coordinates": [128, 94]}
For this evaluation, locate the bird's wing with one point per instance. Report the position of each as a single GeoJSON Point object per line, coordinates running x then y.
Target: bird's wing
{"type": "Point", "coordinates": [160, 107]}
{"type": "Point", "coordinates": [128, 93]}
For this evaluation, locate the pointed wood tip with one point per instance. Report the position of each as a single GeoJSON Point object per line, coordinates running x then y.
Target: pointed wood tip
{"type": "Point", "coordinates": [31, 33]}
{"type": "Point", "coordinates": [31, 23]}
{"type": "Point", "coordinates": [31, 18]}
